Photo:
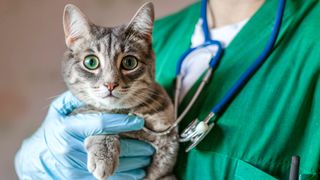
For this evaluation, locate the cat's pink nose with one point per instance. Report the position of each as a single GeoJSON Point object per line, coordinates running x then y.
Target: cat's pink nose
{"type": "Point", "coordinates": [110, 86]}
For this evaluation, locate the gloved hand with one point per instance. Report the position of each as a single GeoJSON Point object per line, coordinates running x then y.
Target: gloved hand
{"type": "Point", "coordinates": [56, 149]}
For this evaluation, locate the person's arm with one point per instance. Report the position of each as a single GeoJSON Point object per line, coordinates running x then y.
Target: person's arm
{"type": "Point", "coordinates": [56, 150]}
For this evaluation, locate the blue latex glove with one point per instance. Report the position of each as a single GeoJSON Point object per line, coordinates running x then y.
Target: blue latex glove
{"type": "Point", "coordinates": [56, 149]}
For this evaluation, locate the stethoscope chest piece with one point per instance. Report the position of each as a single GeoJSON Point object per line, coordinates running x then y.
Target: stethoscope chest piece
{"type": "Point", "coordinates": [196, 131]}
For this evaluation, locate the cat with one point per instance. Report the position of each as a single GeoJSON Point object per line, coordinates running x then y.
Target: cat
{"type": "Point", "coordinates": [111, 69]}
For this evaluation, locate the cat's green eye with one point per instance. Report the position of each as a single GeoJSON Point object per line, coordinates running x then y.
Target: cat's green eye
{"type": "Point", "coordinates": [91, 62]}
{"type": "Point", "coordinates": [129, 62]}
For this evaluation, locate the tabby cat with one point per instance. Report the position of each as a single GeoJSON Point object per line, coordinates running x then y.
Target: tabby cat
{"type": "Point", "coordinates": [112, 71]}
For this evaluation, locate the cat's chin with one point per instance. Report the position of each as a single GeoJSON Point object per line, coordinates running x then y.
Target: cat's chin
{"type": "Point", "coordinates": [112, 103]}
{"type": "Point", "coordinates": [111, 100]}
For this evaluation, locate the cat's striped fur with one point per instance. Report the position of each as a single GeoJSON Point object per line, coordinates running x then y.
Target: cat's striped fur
{"type": "Point", "coordinates": [137, 92]}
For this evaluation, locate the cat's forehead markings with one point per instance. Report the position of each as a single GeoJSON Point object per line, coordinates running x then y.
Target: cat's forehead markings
{"type": "Point", "coordinates": [109, 43]}
{"type": "Point", "coordinates": [98, 47]}
{"type": "Point", "coordinates": [89, 50]}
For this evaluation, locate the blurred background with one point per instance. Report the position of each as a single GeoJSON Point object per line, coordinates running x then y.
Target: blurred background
{"type": "Point", "coordinates": [31, 47]}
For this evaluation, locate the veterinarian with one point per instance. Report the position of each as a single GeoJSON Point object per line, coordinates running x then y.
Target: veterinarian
{"type": "Point", "coordinates": [275, 115]}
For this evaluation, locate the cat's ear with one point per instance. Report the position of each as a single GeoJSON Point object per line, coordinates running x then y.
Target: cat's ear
{"type": "Point", "coordinates": [142, 21]}
{"type": "Point", "coordinates": [75, 24]}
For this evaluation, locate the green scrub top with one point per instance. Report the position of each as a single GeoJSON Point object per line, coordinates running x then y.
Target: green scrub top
{"type": "Point", "coordinates": [275, 116]}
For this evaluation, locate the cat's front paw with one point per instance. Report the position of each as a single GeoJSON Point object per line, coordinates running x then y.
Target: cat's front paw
{"type": "Point", "coordinates": [103, 155]}
{"type": "Point", "coordinates": [100, 165]}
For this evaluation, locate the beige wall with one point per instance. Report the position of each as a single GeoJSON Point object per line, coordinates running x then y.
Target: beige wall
{"type": "Point", "coordinates": [31, 47]}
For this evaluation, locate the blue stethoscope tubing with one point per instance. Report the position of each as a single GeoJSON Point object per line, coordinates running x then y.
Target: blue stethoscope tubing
{"type": "Point", "coordinates": [245, 77]}
{"type": "Point", "coordinates": [197, 130]}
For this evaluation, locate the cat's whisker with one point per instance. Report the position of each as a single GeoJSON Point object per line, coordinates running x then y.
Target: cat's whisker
{"type": "Point", "coordinates": [142, 101]}
{"type": "Point", "coordinates": [149, 91]}
{"type": "Point", "coordinates": [156, 102]}
{"type": "Point", "coordinates": [46, 107]}
{"type": "Point", "coordinates": [123, 90]}
{"type": "Point", "coordinates": [156, 94]}
{"type": "Point", "coordinates": [53, 97]}
{"type": "Point", "coordinates": [148, 105]}
{"type": "Point", "coordinates": [146, 95]}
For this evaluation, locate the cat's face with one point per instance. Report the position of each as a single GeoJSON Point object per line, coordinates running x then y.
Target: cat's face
{"type": "Point", "coordinates": [108, 67]}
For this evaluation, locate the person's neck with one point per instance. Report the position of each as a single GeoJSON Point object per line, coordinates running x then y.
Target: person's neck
{"type": "Point", "coordinates": [224, 12]}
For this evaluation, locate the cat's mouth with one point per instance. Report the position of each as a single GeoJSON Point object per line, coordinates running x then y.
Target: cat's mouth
{"type": "Point", "coordinates": [102, 93]}
{"type": "Point", "coordinates": [110, 95]}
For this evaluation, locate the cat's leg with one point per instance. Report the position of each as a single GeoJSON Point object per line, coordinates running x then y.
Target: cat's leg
{"type": "Point", "coordinates": [103, 155]}
{"type": "Point", "coordinates": [164, 159]}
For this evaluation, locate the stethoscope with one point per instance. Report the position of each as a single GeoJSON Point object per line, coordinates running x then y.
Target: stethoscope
{"type": "Point", "coordinates": [197, 129]}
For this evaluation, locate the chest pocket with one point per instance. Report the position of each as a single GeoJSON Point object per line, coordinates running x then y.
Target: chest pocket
{"type": "Point", "coordinates": [245, 171]}
{"type": "Point", "coordinates": [308, 177]}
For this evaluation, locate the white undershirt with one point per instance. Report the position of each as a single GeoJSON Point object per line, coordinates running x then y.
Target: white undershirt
{"type": "Point", "coordinates": [193, 67]}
